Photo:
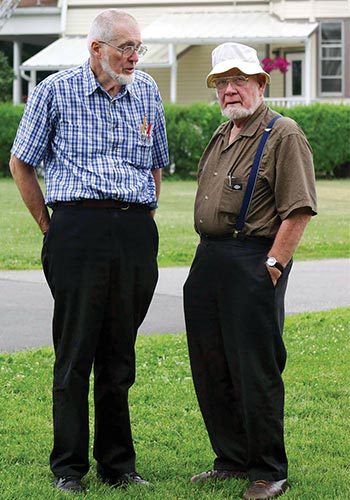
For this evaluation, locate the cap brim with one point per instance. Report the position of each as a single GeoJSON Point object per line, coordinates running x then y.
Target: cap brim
{"type": "Point", "coordinates": [245, 67]}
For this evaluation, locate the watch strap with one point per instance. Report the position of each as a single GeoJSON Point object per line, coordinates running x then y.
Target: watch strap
{"type": "Point", "coordinates": [279, 266]}
{"type": "Point", "coordinates": [273, 262]}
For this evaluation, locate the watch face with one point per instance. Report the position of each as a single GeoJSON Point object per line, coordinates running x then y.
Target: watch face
{"type": "Point", "coordinates": [271, 261]}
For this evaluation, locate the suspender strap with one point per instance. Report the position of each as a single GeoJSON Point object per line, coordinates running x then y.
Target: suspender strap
{"type": "Point", "coordinates": [252, 178]}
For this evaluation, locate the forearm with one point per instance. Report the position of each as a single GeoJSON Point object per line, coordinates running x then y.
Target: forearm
{"type": "Point", "coordinates": [289, 236]}
{"type": "Point", "coordinates": [287, 240]}
{"type": "Point", "coordinates": [157, 176]}
{"type": "Point", "coordinates": [27, 182]}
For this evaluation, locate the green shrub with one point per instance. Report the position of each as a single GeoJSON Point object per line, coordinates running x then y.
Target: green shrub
{"type": "Point", "coordinates": [189, 129]}
{"type": "Point", "coordinates": [10, 117]}
{"type": "Point", "coordinates": [6, 78]}
{"type": "Point", "coordinates": [327, 128]}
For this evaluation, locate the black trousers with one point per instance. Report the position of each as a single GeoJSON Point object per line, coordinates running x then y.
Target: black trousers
{"type": "Point", "coordinates": [102, 270]}
{"type": "Point", "coordinates": [234, 319]}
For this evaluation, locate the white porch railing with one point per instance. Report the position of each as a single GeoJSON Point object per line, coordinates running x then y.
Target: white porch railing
{"type": "Point", "coordinates": [289, 102]}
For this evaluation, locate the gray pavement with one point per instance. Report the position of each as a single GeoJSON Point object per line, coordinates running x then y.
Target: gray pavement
{"type": "Point", "coordinates": [26, 303]}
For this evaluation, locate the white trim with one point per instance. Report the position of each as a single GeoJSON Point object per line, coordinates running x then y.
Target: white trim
{"type": "Point", "coordinates": [17, 81]}
{"type": "Point", "coordinates": [173, 74]}
{"type": "Point", "coordinates": [307, 71]}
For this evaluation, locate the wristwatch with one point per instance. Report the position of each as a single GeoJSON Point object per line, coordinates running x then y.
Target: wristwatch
{"type": "Point", "coordinates": [272, 262]}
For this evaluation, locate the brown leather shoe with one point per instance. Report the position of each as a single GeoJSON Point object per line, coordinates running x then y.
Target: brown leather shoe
{"type": "Point", "coordinates": [265, 489]}
{"type": "Point", "coordinates": [218, 475]}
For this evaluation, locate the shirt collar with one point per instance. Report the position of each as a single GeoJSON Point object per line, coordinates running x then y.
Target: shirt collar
{"type": "Point", "coordinates": [91, 83]}
{"type": "Point", "coordinates": [254, 122]}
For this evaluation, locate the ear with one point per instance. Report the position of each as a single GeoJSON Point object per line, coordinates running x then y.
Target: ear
{"type": "Point", "coordinates": [95, 48]}
{"type": "Point", "coordinates": [262, 82]}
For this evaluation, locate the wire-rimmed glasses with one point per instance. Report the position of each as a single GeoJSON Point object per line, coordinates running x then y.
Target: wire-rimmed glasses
{"type": "Point", "coordinates": [129, 49]}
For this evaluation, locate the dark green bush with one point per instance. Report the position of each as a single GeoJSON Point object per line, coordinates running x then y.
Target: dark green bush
{"type": "Point", "coordinates": [9, 119]}
{"type": "Point", "coordinates": [327, 128]}
{"type": "Point", "coordinates": [189, 128]}
{"type": "Point", "coordinates": [6, 78]}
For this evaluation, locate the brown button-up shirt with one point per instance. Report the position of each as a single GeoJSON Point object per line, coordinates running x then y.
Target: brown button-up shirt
{"type": "Point", "coordinates": [286, 179]}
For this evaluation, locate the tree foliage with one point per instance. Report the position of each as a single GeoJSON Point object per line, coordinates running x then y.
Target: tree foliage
{"type": "Point", "coordinates": [6, 78]}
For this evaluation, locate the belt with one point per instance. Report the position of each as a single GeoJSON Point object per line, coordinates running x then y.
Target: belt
{"type": "Point", "coordinates": [236, 236]}
{"type": "Point", "coordinates": [108, 203]}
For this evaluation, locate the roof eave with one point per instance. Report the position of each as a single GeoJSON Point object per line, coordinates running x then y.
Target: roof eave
{"type": "Point", "coordinates": [218, 40]}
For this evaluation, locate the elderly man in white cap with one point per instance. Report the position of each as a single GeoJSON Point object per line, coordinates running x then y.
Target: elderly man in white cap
{"type": "Point", "coordinates": [256, 194]}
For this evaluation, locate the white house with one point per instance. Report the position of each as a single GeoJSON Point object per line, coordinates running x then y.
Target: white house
{"type": "Point", "coordinates": [312, 35]}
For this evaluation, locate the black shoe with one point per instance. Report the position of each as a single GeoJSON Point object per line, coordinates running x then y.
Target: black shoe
{"type": "Point", "coordinates": [68, 484]}
{"type": "Point", "coordinates": [218, 475]}
{"type": "Point", "coordinates": [125, 480]}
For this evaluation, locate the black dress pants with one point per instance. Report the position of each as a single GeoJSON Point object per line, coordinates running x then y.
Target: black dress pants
{"type": "Point", "coordinates": [234, 319]}
{"type": "Point", "coordinates": [101, 266]}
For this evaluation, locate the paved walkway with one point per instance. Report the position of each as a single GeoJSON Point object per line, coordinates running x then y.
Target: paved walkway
{"type": "Point", "coordinates": [26, 302]}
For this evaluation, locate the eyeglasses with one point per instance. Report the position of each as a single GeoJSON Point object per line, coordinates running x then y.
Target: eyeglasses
{"type": "Point", "coordinates": [129, 49]}
{"type": "Point", "coordinates": [236, 81]}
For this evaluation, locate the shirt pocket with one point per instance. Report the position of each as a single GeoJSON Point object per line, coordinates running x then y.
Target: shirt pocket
{"type": "Point", "coordinates": [142, 152]}
{"type": "Point", "coordinates": [232, 196]}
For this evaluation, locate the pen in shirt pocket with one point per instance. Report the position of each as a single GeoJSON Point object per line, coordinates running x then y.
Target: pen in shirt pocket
{"type": "Point", "coordinates": [146, 129]}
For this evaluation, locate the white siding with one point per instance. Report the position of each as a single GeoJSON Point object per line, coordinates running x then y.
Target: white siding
{"type": "Point", "coordinates": [81, 12]}
{"type": "Point", "coordinates": [162, 77]}
{"type": "Point", "coordinates": [193, 67]}
{"type": "Point", "coordinates": [310, 9]}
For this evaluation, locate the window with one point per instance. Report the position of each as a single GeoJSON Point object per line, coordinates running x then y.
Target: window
{"type": "Point", "coordinates": [331, 58]}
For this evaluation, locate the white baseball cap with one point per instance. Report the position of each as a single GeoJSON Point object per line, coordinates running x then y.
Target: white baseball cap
{"type": "Point", "coordinates": [234, 55]}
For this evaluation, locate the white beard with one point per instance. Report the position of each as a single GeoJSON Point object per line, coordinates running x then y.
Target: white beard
{"type": "Point", "coordinates": [233, 113]}
{"type": "Point", "coordinates": [117, 77]}
{"type": "Point", "coordinates": [239, 112]}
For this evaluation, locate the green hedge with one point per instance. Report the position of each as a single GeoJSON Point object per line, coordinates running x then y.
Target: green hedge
{"type": "Point", "coordinates": [327, 127]}
{"type": "Point", "coordinates": [189, 128]}
{"type": "Point", "coordinates": [9, 119]}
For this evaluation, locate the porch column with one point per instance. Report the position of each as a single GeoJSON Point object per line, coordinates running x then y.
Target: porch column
{"type": "Point", "coordinates": [173, 71]}
{"type": "Point", "coordinates": [17, 81]}
{"type": "Point", "coordinates": [307, 71]}
{"type": "Point", "coordinates": [32, 81]}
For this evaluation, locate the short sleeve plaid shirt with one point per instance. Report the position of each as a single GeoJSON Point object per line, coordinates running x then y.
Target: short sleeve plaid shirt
{"type": "Point", "coordinates": [94, 146]}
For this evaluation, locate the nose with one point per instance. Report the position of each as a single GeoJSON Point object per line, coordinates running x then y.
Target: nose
{"type": "Point", "coordinates": [134, 56]}
{"type": "Point", "coordinates": [231, 87]}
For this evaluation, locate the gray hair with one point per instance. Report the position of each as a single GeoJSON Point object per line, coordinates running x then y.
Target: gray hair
{"type": "Point", "coordinates": [105, 25]}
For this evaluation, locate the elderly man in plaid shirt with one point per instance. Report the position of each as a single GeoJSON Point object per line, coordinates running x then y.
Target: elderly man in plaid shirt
{"type": "Point", "coordinates": [99, 130]}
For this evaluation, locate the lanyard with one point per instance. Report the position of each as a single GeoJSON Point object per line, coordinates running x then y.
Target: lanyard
{"type": "Point", "coordinates": [252, 177]}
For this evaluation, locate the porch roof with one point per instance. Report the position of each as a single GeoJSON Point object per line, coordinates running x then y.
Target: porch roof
{"type": "Point", "coordinates": [183, 30]}
{"type": "Point", "coordinates": [67, 52]}
{"type": "Point", "coordinates": [213, 28]}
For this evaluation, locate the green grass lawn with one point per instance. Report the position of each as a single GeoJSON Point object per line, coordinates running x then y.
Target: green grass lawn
{"type": "Point", "coordinates": [169, 434]}
{"type": "Point", "coordinates": [327, 235]}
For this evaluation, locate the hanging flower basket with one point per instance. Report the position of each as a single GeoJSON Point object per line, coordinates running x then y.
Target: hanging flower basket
{"type": "Point", "coordinates": [277, 63]}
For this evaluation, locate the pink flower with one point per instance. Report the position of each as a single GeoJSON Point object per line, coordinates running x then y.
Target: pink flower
{"type": "Point", "coordinates": [277, 63]}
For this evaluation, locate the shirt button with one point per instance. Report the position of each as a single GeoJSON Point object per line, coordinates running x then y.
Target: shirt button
{"type": "Point", "coordinates": [206, 197]}
{"type": "Point", "coordinates": [200, 221]}
{"type": "Point", "coordinates": [215, 173]}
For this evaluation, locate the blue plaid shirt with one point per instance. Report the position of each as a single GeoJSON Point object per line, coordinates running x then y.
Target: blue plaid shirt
{"type": "Point", "coordinates": [93, 145]}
